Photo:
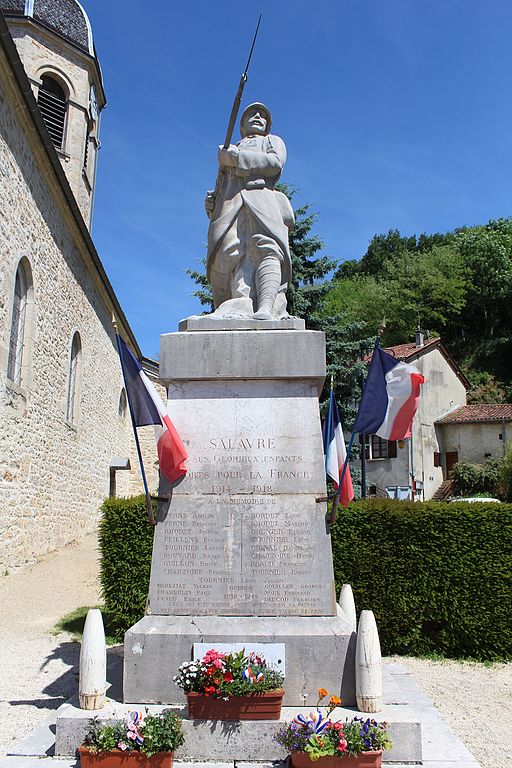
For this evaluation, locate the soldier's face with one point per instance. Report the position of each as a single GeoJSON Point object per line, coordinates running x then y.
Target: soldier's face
{"type": "Point", "coordinates": [255, 122]}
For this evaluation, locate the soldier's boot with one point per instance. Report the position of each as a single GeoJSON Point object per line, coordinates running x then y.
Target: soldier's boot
{"type": "Point", "coordinates": [268, 282]}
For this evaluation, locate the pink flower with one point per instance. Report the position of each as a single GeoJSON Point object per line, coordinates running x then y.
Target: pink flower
{"type": "Point", "coordinates": [217, 663]}
{"type": "Point", "coordinates": [342, 745]}
{"type": "Point", "coordinates": [122, 745]}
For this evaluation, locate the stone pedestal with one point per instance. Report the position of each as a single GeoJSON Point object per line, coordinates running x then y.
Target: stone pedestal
{"type": "Point", "coordinates": [319, 651]}
{"type": "Point", "coordinates": [242, 549]}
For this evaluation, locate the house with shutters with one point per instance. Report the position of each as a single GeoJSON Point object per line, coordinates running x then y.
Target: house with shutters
{"type": "Point", "coordinates": [445, 429]}
{"type": "Point", "coordinates": [416, 467]}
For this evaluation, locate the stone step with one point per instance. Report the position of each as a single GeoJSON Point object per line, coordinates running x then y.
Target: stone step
{"type": "Point", "coordinates": [59, 762]}
{"type": "Point", "coordinates": [239, 740]}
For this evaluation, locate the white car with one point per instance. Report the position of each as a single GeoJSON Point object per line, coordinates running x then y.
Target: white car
{"type": "Point", "coordinates": [481, 499]}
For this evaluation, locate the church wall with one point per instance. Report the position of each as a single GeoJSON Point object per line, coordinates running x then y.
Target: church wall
{"type": "Point", "coordinates": [53, 475]}
{"type": "Point", "coordinates": [41, 55]}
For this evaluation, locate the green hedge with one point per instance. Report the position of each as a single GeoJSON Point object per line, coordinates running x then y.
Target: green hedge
{"type": "Point", "coordinates": [436, 575]}
{"type": "Point", "coordinates": [125, 540]}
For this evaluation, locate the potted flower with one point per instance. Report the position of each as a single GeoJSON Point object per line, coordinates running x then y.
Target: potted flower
{"type": "Point", "coordinates": [356, 743]}
{"type": "Point", "coordinates": [231, 686]}
{"type": "Point", "coordinates": [138, 742]}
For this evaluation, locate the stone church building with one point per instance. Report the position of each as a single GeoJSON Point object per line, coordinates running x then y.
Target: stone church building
{"type": "Point", "coordinates": [63, 416]}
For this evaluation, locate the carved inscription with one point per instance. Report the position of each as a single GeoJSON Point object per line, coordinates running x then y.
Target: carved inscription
{"type": "Point", "coordinates": [243, 534]}
{"type": "Point", "coordinates": [247, 464]}
{"type": "Point", "coordinates": [253, 557]}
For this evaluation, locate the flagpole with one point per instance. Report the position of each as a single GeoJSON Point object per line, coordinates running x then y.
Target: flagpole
{"type": "Point", "coordinates": [332, 517]}
{"type": "Point", "coordinates": [149, 506]}
{"type": "Point", "coordinates": [328, 439]}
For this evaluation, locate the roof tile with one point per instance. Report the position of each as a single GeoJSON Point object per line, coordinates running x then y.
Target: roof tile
{"type": "Point", "coordinates": [479, 413]}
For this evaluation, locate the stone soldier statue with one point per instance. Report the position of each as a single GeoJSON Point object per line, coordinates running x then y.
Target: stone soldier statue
{"type": "Point", "coordinates": [248, 263]}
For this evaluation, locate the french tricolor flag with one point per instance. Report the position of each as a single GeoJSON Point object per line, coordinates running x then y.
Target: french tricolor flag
{"type": "Point", "coordinates": [146, 408]}
{"type": "Point", "coordinates": [390, 398]}
{"type": "Point", "coordinates": [336, 452]}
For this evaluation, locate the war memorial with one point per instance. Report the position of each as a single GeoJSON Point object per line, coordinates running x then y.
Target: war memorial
{"type": "Point", "coordinates": [242, 552]}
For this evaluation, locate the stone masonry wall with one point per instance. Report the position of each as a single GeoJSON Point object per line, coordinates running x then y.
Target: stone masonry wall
{"type": "Point", "coordinates": [41, 54]}
{"type": "Point", "coordinates": [53, 475]}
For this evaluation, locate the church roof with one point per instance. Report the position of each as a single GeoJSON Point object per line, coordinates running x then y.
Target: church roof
{"type": "Point", "coordinates": [65, 17]}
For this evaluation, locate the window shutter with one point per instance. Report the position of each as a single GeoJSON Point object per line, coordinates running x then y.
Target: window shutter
{"type": "Point", "coordinates": [53, 105]}
{"type": "Point", "coordinates": [391, 449]}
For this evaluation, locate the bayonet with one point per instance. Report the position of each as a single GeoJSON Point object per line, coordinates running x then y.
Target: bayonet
{"type": "Point", "coordinates": [238, 97]}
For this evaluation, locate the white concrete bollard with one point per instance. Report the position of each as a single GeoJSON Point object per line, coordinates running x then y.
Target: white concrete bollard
{"type": "Point", "coordinates": [93, 663]}
{"type": "Point", "coordinates": [348, 606]}
{"type": "Point", "coordinates": [368, 665]}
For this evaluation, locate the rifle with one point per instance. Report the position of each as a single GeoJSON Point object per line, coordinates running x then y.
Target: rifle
{"type": "Point", "coordinates": [238, 97]}
{"type": "Point", "coordinates": [236, 107]}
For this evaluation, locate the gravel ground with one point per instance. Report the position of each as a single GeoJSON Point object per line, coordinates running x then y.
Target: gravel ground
{"type": "Point", "coordinates": [38, 670]}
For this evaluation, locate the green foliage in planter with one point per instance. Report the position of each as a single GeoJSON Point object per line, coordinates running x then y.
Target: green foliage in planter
{"type": "Point", "coordinates": [125, 541]}
{"type": "Point", "coordinates": [138, 733]}
{"type": "Point", "coordinates": [438, 576]}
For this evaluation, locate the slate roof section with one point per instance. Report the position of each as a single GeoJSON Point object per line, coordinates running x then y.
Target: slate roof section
{"type": "Point", "coordinates": [488, 413]}
{"type": "Point", "coordinates": [65, 17]}
{"type": "Point", "coordinates": [13, 6]}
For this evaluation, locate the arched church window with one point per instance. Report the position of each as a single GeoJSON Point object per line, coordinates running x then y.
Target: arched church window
{"type": "Point", "coordinates": [74, 379]}
{"type": "Point", "coordinates": [18, 336]}
{"type": "Point", "coordinates": [52, 102]}
{"type": "Point", "coordinates": [122, 404]}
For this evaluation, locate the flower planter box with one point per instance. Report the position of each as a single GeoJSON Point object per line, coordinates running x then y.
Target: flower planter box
{"type": "Point", "coordinates": [255, 706]}
{"type": "Point", "coordinates": [116, 758]}
{"type": "Point", "coordinates": [362, 760]}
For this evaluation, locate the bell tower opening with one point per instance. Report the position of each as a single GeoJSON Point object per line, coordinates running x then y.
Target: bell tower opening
{"type": "Point", "coordinates": [55, 43]}
{"type": "Point", "coordinates": [53, 105]}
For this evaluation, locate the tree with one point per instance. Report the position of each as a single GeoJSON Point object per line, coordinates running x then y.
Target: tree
{"type": "Point", "coordinates": [204, 292]}
{"type": "Point", "coordinates": [487, 254]}
{"type": "Point", "coordinates": [381, 247]}
{"type": "Point", "coordinates": [360, 299]}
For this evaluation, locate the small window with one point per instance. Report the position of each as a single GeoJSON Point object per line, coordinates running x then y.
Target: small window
{"type": "Point", "coordinates": [437, 459]}
{"type": "Point", "coordinates": [86, 150]}
{"type": "Point", "coordinates": [18, 335]}
{"type": "Point", "coordinates": [382, 449]}
{"type": "Point", "coordinates": [73, 380]}
{"type": "Point", "coordinates": [53, 105]}
{"type": "Point", "coordinates": [122, 404]}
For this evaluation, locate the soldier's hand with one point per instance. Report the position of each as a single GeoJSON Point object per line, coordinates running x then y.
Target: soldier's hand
{"type": "Point", "coordinates": [228, 158]}
{"type": "Point", "coordinates": [209, 202]}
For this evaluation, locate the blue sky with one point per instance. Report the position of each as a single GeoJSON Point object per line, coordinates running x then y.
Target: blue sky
{"type": "Point", "coordinates": [396, 114]}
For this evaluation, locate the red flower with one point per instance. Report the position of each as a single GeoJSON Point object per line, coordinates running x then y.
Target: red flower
{"type": "Point", "coordinates": [209, 690]}
{"type": "Point", "coordinates": [228, 676]}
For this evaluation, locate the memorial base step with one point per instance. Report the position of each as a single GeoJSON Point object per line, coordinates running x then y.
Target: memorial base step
{"type": "Point", "coordinates": [239, 740]}
{"type": "Point", "coordinates": [320, 651]}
